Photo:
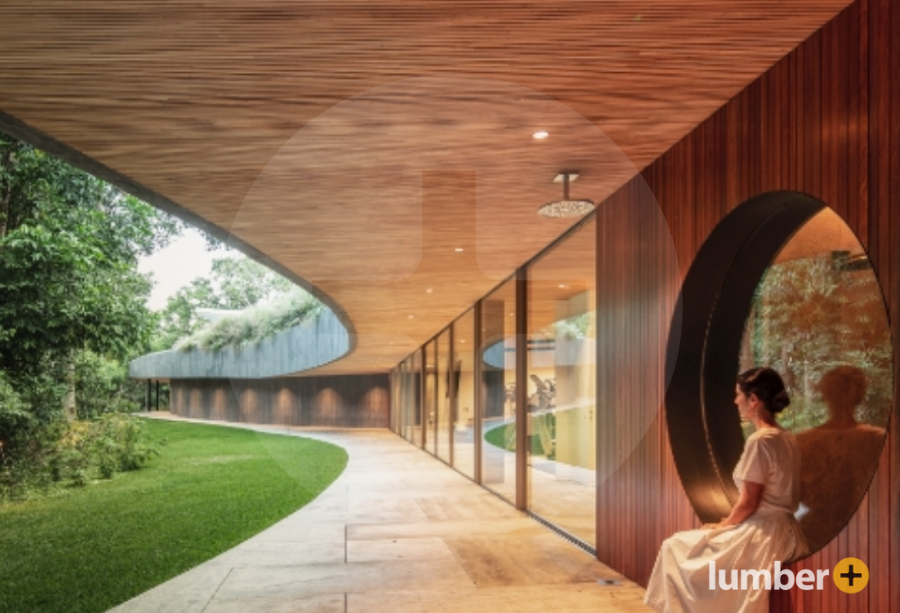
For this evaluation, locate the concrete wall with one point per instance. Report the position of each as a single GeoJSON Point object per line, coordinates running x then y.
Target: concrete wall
{"type": "Point", "coordinates": [347, 401]}
{"type": "Point", "coordinates": [311, 344]}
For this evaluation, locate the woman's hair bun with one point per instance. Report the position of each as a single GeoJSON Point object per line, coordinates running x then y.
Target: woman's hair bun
{"type": "Point", "coordinates": [768, 387]}
{"type": "Point", "coordinates": [780, 402]}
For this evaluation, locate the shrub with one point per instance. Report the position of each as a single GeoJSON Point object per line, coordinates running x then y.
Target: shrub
{"type": "Point", "coordinates": [61, 453]}
{"type": "Point", "coordinates": [255, 324]}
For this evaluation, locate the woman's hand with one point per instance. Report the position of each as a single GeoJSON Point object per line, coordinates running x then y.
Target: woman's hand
{"type": "Point", "coordinates": [751, 496]}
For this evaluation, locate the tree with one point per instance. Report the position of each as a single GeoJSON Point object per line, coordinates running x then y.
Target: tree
{"type": "Point", "coordinates": [235, 283]}
{"type": "Point", "coordinates": [69, 245]}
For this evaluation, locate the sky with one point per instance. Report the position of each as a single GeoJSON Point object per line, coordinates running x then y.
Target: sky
{"type": "Point", "coordinates": [173, 267]}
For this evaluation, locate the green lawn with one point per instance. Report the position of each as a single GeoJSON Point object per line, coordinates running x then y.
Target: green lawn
{"type": "Point", "coordinates": [211, 488]}
{"type": "Point", "coordinates": [504, 437]}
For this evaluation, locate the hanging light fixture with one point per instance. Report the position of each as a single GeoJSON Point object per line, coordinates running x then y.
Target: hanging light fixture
{"type": "Point", "coordinates": [566, 207]}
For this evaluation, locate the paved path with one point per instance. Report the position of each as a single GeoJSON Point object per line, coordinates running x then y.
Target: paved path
{"type": "Point", "coordinates": [397, 532]}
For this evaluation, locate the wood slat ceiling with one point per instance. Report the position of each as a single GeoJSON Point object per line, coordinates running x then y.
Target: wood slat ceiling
{"type": "Point", "coordinates": [358, 144]}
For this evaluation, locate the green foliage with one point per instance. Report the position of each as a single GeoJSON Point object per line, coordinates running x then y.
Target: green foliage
{"type": "Point", "coordinates": [255, 324]}
{"type": "Point", "coordinates": [813, 314]}
{"type": "Point", "coordinates": [213, 488]}
{"type": "Point", "coordinates": [102, 386]}
{"type": "Point", "coordinates": [66, 240]}
{"type": "Point", "coordinates": [69, 245]}
{"type": "Point", "coordinates": [577, 326]}
{"type": "Point", "coordinates": [46, 457]}
{"type": "Point", "coordinates": [14, 413]}
{"type": "Point", "coordinates": [235, 283]}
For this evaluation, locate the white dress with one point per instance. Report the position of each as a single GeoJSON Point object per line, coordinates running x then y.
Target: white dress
{"type": "Point", "coordinates": [680, 579]}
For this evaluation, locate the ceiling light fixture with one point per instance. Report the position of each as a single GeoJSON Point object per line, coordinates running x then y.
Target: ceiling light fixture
{"type": "Point", "coordinates": [540, 135]}
{"type": "Point", "coordinates": [566, 207]}
{"type": "Point", "coordinates": [459, 250]}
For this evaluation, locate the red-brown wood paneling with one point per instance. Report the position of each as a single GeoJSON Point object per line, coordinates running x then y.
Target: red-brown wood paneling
{"type": "Point", "coordinates": [342, 401]}
{"type": "Point", "coordinates": [825, 121]}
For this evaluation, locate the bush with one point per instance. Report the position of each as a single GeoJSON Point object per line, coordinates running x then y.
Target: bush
{"type": "Point", "coordinates": [255, 324]}
{"type": "Point", "coordinates": [102, 386]}
{"type": "Point", "coordinates": [59, 454]}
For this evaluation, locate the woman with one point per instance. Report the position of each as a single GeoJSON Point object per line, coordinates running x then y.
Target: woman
{"type": "Point", "coordinates": [761, 528]}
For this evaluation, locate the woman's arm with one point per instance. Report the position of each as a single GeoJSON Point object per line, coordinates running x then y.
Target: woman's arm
{"type": "Point", "coordinates": [751, 496]}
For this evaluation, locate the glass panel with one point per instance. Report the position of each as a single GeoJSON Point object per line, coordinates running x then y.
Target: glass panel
{"type": "Point", "coordinates": [561, 384]}
{"type": "Point", "coordinates": [498, 389]}
{"type": "Point", "coordinates": [443, 395]}
{"type": "Point", "coordinates": [430, 403]}
{"type": "Point", "coordinates": [819, 319]}
{"type": "Point", "coordinates": [394, 399]}
{"type": "Point", "coordinates": [401, 404]}
{"type": "Point", "coordinates": [414, 401]}
{"type": "Point", "coordinates": [464, 376]}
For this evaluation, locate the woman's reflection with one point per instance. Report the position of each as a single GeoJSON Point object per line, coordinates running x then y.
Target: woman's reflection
{"type": "Point", "coordinates": [838, 457]}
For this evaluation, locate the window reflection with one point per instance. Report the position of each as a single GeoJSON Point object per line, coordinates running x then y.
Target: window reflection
{"type": "Point", "coordinates": [430, 401]}
{"type": "Point", "coordinates": [498, 389]}
{"type": "Point", "coordinates": [561, 384]}
{"type": "Point", "coordinates": [464, 377]}
{"type": "Point", "coordinates": [819, 319]}
{"type": "Point", "coordinates": [414, 398]}
{"type": "Point", "coordinates": [442, 423]}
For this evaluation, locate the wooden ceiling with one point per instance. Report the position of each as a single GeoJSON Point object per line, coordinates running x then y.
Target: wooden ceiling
{"type": "Point", "coordinates": [360, 144]}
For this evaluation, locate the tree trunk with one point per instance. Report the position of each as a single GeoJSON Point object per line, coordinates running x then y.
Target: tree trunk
{"type": "Point", "coordinates": [69, 407]}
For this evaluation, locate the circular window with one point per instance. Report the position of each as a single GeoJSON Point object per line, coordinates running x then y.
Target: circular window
{"type": "Point", "coordinates": [783, 282]}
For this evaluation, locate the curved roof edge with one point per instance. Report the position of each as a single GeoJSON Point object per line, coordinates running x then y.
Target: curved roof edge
{"type": "Point", "coordinates": [313, 343]}
{"type": "Point", "coordinates": [19, 129]}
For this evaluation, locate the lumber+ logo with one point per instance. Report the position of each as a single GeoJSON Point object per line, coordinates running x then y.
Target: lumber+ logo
{"type": "Point", "coordinates": [850, 575]}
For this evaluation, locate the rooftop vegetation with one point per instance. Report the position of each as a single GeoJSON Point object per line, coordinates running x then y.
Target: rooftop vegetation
{"type": "Point", "coordinates": [256, 323]}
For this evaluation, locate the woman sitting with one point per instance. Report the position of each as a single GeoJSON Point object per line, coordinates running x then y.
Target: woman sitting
{"type": "Point", "coordinates": [761, 528]}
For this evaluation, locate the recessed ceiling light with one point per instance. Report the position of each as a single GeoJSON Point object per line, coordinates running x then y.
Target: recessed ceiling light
{"type": "Point", "coordinates": [540, 135]}
{"type": "Point", "coordinates": [562, 286]}
{"type": "Point", "coordinates": [410, 316]}
{"type": "Point", "coordinates": [429, 290]}
{"type": "Point", "coordinates": [459, 250]}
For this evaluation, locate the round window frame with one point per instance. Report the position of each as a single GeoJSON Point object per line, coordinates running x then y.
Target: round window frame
{"type": "Point", "coordinates": [714, 304]}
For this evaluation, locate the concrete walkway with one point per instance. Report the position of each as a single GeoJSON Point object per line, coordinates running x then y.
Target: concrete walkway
{"type": "Point", "coordinates": [398, 531]}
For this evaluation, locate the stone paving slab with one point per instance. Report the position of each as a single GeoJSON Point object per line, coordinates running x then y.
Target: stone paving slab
{"type": "Point", "coordinates": [398, 532]}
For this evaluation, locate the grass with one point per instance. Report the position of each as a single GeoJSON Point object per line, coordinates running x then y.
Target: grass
{"type": "Point", "coordinates": [211, 488]}
{"type": "Point", "coordinates": [497, 437]}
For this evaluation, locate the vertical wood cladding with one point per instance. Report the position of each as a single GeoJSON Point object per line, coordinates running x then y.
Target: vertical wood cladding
{"type": "Point", "coordinates": [825, 121]}
{"type": "Point", "coordinates": [346, 401]}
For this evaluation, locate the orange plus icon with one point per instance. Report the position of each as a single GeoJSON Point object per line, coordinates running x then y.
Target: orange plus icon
{"type": "Point", "coordinates": [850, 575]}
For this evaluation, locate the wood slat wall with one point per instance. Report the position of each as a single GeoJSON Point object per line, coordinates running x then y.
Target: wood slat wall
{"type": "Point", "coordinates": [351, 401]}
{"type": "Point", "coordinates": [824, 121]}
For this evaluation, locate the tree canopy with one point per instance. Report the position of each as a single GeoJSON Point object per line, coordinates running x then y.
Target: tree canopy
{"type": "Point", "coordinates": [235, 283]}
{"type": "Point", "coordinates": [69, 245]}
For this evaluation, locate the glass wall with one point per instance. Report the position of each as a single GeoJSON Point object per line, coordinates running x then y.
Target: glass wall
{"type": "Point", "coordinates": [413, 399]}
{"type": "Point", "coordinates": [443, 420]}
{"type": "Point", "coordinates": [463, 396]}
{"type": "Point", "coordinates": [430, 401]}
{"type": "Point", "coordinates": [561, 384]}
{"type": "Point", "coordinates": [464, 384]}
{"type": "Point", "coordinates": [498, 390]}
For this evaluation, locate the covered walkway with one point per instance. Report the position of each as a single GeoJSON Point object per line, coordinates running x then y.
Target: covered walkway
{"type": "Point", "coordinates": [399, 531]}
